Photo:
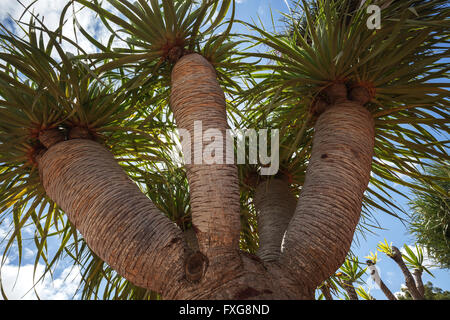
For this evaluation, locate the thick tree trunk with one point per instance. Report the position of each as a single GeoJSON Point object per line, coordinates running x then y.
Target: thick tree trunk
{"type": "Point", "coordinates": [409, 280]}
{"type": "Point", "coordinates": [119, 223]}
{"type": "Point", "coordinates": [214, 185]}
{"type": "Point", "coordinates": [275, 205]}
{"type": "Point", "coordinates": [320, 233]}
{"type": "Point", "coordinates": [215, 199]}
{"type": "Point", "coordinates": [123, 227]}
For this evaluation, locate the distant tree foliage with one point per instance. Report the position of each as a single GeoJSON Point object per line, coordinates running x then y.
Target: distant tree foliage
{"type": "Point", "coordinates": [430, 219]}
{"type": "Point", "coordinates": [431, 293]}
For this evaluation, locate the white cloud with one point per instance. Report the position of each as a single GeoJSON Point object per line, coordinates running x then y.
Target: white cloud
{"type": "Point", "coordinates": [18, 283]}
{"type": "Point", "coordinates": [29, 253]}
{"type": "Point", "coordinates": [50, 11]}
{"type": "Point", "coordinates": [261, 9]}
{"type": "Point", "coordinates": [390, 276]}
{"type": "Point", "coordinates": [400, 293]}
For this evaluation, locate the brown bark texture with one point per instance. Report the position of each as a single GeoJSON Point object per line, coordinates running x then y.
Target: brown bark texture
{"type": "Point", "coordinates": [409, 280]}
{"type": "Point", "coordinates": [376, 277]}
{"type": "Point", "coordinates": [214, 188]}
{"type": "Point", "coordinates": [275, 205]}
{"type": "Point", "coordinates": [320, 233]}
{"type": "Point", "coordinates": [326, 292]}
{"type": "Point", "coordinates": [388, 293]}
{"type": "Point", "coordinates": [124, 228]}
{"type": "Point", "coordinates": [119, 223]}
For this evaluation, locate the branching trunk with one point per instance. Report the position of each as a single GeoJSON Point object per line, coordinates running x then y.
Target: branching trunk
{"type": "Point", "coordinates": [321, 231]}
{"type": "Point", "coordinates": [197, 99]}
{"type": "Point", "coordinates": [123, 227]}
{"type": "Point", "coordinates": [275, 205]}
{"type": "Point", "coordinates": [409, 280]}
{"type": "Point", "coordinates": [119, 223]}
{"type": "Point", "coordinates": [214, 187]}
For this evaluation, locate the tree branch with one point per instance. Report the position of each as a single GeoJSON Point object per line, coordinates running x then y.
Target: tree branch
{"type": "Point", "coordinates": [320, 233]}
{"type": "Point", "coordinates": [119, 223]}
{"type": "Point", "coordinates": [409, 280]}
{"type": "Point", "coordinates": [326, 292]}
{"type": "Point", "coordinates": [275, 205]}
{"type": "Point", "coordinates": [214, 188]}
{"type": "Point", "coordinates": [377, 279]}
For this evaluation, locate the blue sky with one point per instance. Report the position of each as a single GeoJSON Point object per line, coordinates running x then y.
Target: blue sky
{"type": "Point", "coordinates": [65, 279]}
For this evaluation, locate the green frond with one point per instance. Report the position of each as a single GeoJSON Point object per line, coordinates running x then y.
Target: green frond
{"type": "Point", "coordinates": [157, 33]}
{"type": "Point", "coordinates": [430, 218]}
{"type": "Point", "coordinates": [351, 270]}
{"type": "Point", "coordinates": [363, 293]}
{"type": "Point", "coordinates": [385, 247]}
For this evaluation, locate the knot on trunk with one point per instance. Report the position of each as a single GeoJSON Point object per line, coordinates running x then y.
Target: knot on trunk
{"type": "Point", "coordinates": [335, 93]}
{"type": "Point", "coordinates": [318, 106]}
{"type": "Point", "coordinates": [396, 254]}
{"type": "Point", "coordinates": [36, 154]}
{"type": "Point", "coordinates": [339, 92]}
{"type": "Point", "coordinates": [175, 54]}
{"type": "Point", "coordinates": [361, 93]}
{"type": "Point", "coordinates": [80, 133]}
{"type": "Point", "coordinates": [195, 266]}
{"type": "Point", "coordinates": [50, 137]}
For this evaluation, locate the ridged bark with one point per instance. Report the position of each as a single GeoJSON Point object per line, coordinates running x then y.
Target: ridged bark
{"type": "Point", "coordinates": [409, 280]}
{"type": "Point", "coordinates": [119, 223]}
{"type": "Point", "coordinates": [275, 205]}
{"type": "Point", "coordinates": [320, 233]}
{"type": "Point", "coordinates": [214, 188]}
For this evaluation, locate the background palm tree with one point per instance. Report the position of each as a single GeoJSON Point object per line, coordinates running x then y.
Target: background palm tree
{"type": "Point", "coordinates": [340, 93]}
{"type": "Point", "coordinates": [350, 274]}
{"type": "Point", "coordinates": [431, 293]}
{"type": "Point", "coordinates": [430, 219]}
{"type": "Point", "coordinates": [415, 261]}
{"type": "Point", "coordinates": [411, 283]}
